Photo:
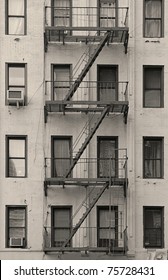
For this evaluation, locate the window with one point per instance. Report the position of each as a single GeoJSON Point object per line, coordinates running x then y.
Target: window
{"type": "Point", "coordinates": [153, 157]}
{"type": "Point", "coordinates": [153, 227]}
{"type": "Point", "coordinates": [61, 156]}
{"type": "Point", "coordinates": [107, 13]}
{"type": "Point", "coordinates": [61, 12]}
{"type": "Point", "coordinates": [16, 226]}
{"type": "Point", "coordinates": [16, 156]}
{"type": "Point", "coordinates": [61, 225]}
{"type": "Point", "coordinates": [16, 78]}
{"type": "Point", "coordinates": [61, 81]}
{"type": "Point", "coordinates": [153, 18]}
{"type": "Point", "coordinates": [107, 156]}
{"type": "Point", "coordinates": [153, 87]}
{"type": "Point", "coordinates": [16, 17]}
{"type": "Point", "coordinates": [107, 230]}
{"type": "Point", "coordinates": [107, 83]}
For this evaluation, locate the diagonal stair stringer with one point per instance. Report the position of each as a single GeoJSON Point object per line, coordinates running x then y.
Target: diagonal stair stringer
{"type": "Point", "coordinates": [87, 66]}
{"type": "Point", "coordinates": [87, 140]}
{"type": "Point", "coordinates": [92, 204]}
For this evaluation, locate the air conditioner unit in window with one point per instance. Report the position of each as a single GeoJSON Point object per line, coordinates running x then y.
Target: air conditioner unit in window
{"type": "Point", "coordinates": [16, 242]}
{"type": "Point", "coordinates": [15, 97]}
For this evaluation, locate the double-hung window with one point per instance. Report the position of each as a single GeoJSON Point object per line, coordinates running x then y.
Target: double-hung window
{"type": "Point", "coordinates": [153, 18]}
{"type": "Point", "coordinates": [107, 76]}
{"type": "Point", "coordinates": [61, 155]}
{"type": "Point", "coordinates": [107, 156]}
{"type": "Point", "coordinates": [16, 17]}
{"type": "Point", "coordinates": [61, 12]}
{"type": "Point", "coordinates": [60, 225]}
{"type": "Point", "coordinates": [153, 227]}
{"type": "Point", "coordinates": [16, 156]}
{"type": "Point", "coordinates": [61, 81]}
{"type": "Point", "coordinates": [107, 13]}
{"type": "Point", "coordinates": [107, 229]}
{"type": "Point", "coordinates": [153, 157]}
{"type": "Point", "coordinates": [16, 80]}
{"type": "Point", "coordinates": [16, 226]}
{"type": "Point", "coordinates": [153, 87]}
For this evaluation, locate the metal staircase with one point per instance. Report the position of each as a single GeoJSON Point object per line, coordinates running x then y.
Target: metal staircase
{"type": "Point", "coordinates": [92, 204]}
{"type": "Point", "coordinates": [87, 66]}
{"type": "Point", "coordinates": [88, 138]}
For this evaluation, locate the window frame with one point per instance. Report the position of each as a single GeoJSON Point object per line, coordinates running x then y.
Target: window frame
{"type": "Point", "coordinates": [99, 14]}
{"type": "Point", "coordinates": [107, 66]}
{"type": "Point", "coordinates": [16, 65]}
{"type": "Point", "coordinates": [53, 67]}
{"type": "Point", "coordinates": [16, 137]}
{"type": "Point", "coordinates": [15, 207]}
{"type": "Point", "coordinates": [59, 137]}
{"type": "Point", "coordinates": [154, 138]}
{"type": "Point", "coordinates": [70, 14]}
{"type": "Point", "coordinates": [161, 20]}
{"type": "Point", "coordinates": [15, 16]}
{"type": "Point", "coordinates": [157, 67]}
{"type": "Point", "coordinates": [150, 208]}
{"type": "Point", "coordinates": [107, 138]}
{"type": "Point", "coordinates": [109, 208]}
{"type": "Point", "coordinates": [53, 227]}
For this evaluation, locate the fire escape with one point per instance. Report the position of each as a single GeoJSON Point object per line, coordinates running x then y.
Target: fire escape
{"type": "Point", "coordinates": [98, 36]}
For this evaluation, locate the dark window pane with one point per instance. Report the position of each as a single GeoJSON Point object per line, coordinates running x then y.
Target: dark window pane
{"type": "Point", "coordinates": [153, 158]}
{"type": "Point", "coordinates": [153, 227]}
{"type": "Point", "coordinates": [153, 87]}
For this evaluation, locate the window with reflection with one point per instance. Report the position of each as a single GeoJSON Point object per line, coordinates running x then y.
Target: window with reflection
{"type": "Point", "coordinates": [16, 156]}
{"type": "Point", "coordinates": [153, 227]}
{"type": "Point", "coordinates": [153, 157]}
{"type": "Point", "coordinates": [16, 17]}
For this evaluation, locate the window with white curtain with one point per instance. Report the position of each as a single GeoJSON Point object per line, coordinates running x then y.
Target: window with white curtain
{"type": "Point", "coordinates": [107, 156]}
{"type": "Point", "coordinates": [153, 157]}
{"type": "Point", "coordinates": [61, 81]}
{"type": "Point", "coordinates": [153, 86]}
{"type": "Point", "coordinates": [16, 17]}
{"type": "Point", "coordinates": [61, 12]}
{"type": "Point", "coordinates": [153, 227]}
{"type": "Point", "coordinates": [16, 156]}
{"type": "Point", "coordinates": [61, 225]}
{"type": "Point", "coordinates": [107, 226]}
{"type": "Point", "coordinates": [108, 13]}
{"type": "Point", "coordinates": [16, 224]}
{"type": "Point", "coordinates": [61, 156]}
{"type": "Point", "coordinates": [107, 83]}
{"type": "Point", "coordinates": [153, 18]}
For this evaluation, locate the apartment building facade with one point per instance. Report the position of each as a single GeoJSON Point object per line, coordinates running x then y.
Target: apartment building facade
{"type": "Point", "coordinates": [83, 129]}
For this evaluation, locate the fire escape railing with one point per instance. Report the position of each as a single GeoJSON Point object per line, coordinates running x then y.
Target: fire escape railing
{"type": "Point", "coordinates": [87, 239]}
{"type": "Point", "coordinates": [88, 91]}
{"type": "Point", "coordinates": [83, 17]}
{"type": "Point", "coordinates": [93, 168]}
